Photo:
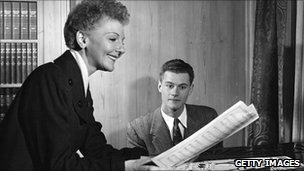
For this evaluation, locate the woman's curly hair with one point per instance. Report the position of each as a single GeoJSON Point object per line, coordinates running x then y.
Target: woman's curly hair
{"type": "Point", "coordinates": [86, 14]}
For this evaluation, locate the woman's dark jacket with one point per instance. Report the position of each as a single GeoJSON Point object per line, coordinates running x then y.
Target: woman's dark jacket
{"type": "Point", "coordinates": [50, 119]}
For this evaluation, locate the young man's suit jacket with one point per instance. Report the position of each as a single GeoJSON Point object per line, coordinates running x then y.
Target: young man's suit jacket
{"type": "Point", "coordinates": [50, 119]}
{"type": "Point", "coordinates": [151, 132]}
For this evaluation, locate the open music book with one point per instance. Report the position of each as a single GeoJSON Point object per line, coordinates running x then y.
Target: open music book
{"type": "Point", "coordinates": [229, 122]}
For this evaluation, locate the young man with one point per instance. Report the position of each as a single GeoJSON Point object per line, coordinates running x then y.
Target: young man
{"type": "Point", "coordinates": [174, 120]}
{"type": "Point", "coordinates": [50, 122]}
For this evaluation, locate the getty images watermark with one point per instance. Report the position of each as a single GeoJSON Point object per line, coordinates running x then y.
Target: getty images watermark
{"type": "Point", "coordinates": [251, 163]}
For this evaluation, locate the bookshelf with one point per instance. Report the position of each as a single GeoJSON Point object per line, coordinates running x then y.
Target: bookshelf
{"type": "Point", "coordinates": [18, 47]}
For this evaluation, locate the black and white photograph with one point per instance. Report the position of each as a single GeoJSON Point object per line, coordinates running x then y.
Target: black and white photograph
{"type": "Point", "coordinates": [138, 85]}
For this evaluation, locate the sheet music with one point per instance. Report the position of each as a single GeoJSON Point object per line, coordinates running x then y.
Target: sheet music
{"type": "Point", "coordinates": [229, 122]}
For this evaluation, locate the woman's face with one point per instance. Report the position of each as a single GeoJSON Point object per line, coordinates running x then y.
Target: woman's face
{"type": "Point", "coordinates": [105, 45]}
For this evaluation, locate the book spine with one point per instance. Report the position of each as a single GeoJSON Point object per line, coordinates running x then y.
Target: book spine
{"type": "Point", "coordinates": [2, 104]}
{"type": "Point", "coordinates": [7, 62]}
{"type": "Point", "coordinates": [7, 20]}
{"type": "Point", "coordinates": [24, 20]}
{"type": "Point", "coordinates": [32, 20]}
{"type": "Point", "coordinates": [28, 58]}
{"type": "Point", "coordinates": [2, 114]}
{"type": "Point", "coordinates": [13, 63]}
{"type": "Point", "coordinates": [18, 63]}
{"type": "Point", "coordinates": [16, 20]}
{"type": "Point", "coordinates": [7, 99]}
{"type": "Point", "coordinates": [23, 58]}
{"type": "Point", "coordinates": [14, 93]}
{"type": "Point", "coordinates": [1, 19]}
{"type": "Point", "coordinates": [35, 55]}
{"type": "Point", "coordinates": [2, 63]}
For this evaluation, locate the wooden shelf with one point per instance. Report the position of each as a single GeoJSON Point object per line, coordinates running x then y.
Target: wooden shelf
{"type": "Point", "coordinates": [10, 85]}
{"type": "Point", "coordinates": [18, 40]}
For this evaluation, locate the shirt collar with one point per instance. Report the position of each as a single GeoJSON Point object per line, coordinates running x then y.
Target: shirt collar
{"type": "Point", "coordinates": [83, 69]}
{"type": "Point", "coordinates": [169, 120]}
{"type": "Point", "coordinates": [183, 117]}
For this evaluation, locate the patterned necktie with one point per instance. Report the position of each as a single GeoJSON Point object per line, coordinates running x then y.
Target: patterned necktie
{"type": "Point", "coordinates": [177, 136]}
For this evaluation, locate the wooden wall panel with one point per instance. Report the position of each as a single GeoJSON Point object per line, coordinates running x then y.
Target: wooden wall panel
{"type": "Point", "coordinates": [210, 35]}
{"type": "Point", "coordinates": [51, 19]}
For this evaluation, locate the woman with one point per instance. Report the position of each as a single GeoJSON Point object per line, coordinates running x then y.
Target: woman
{"type": "Point", "coordinates": [50, 122]}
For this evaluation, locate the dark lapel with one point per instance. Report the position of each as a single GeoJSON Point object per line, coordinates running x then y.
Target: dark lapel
{"type": "Point", "coordinates": [74, 82]}
{"type": "Point", "coordinates": [160, 133]}
{"type": "Point", "coordinates": [192, 121]}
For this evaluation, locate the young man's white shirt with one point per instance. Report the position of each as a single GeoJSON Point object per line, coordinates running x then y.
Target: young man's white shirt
{"type": "Point", "coordinates": [182, 125]}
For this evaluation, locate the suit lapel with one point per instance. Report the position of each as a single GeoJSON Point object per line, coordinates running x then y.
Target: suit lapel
{"type": "Point", "coordinates": [192, 123]}
{"type": "Point", "coordinates": [74, 84]}
{"type": "Point", "coordinates": [161, 138]}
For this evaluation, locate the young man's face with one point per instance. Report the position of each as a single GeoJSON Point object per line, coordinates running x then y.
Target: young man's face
{"type": "Point", "coordinates": [174, 89]}
{"type": "Point", "coordinates": [105, 45]}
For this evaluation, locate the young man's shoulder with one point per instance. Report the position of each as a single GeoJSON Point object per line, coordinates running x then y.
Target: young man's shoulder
{"type": "Point", "coordinates": [200, 107]}
{"type": "Point", "coordinates": [146, 119]}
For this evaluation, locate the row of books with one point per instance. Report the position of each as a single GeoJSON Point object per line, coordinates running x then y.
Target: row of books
{"type": "Point", "coordinates": [18, 20]}
{"type": "Point", "coordinates": [17, 61]}
{"type": "Point", "coordinates": [6, 97]}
